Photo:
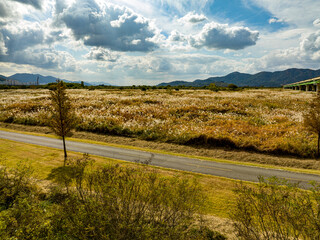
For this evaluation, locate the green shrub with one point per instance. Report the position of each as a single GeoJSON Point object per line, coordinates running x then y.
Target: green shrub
{"type": "Point", "coordinates": [14, 184]}
{"type": "Point", "coordinates": [27, 219]}
{"type": "Point", "coordinates": [110, 202]}
{"type": "Point", "coordinates": [22, 214]}
{"type": "Point", "coordinates": [277, 210]}
{"type": "Point", "coordinates": [126, 203]}
{"type": "Point", "coordinates": [232, 86]}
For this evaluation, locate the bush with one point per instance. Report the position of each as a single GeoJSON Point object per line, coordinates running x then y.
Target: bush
{"type": "Point", "coordinates": [21, 213]}
{"type": "Point", "coordinates": [26, 219]}
{"type": "Point", "coordinates": [15, 184]}
{"type": "Point", "coordinates": [111, 202]}
{"type": "Point", "coordinates": [213, 87]}
{"type": "Point", "coordinates": [277, 210]}
{"type": "Point", "coordinates": [116, 202]}
{"type": "Point", "coordinates": [232, 86]}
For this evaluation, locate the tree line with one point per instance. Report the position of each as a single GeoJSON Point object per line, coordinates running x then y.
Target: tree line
{"type": "Point", "coordinates": [212, 87]}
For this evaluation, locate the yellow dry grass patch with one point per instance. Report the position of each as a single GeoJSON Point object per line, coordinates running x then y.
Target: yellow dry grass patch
{"type": "Point", "coordinates": [265, 120]}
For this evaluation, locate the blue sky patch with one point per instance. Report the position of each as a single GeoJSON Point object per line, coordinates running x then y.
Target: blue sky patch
{"type": "Point", "coordinates": [234, 11]}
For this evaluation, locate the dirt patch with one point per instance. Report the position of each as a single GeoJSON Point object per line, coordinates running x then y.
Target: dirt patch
{"type": "Point", "coordinates": [217, 152]}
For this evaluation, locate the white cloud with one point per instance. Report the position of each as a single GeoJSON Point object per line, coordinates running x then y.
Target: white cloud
{"type": "Point", "coordinates": [305, 55]}
{"type": "Point", "coordinates": [275, 20]}
{"type": "Point", "coordinates": [316, 22]}
{"type": "Point", "coordinates": [221, 36]}
{"type": "Point", "coordinates": [60, 5]}
{"type": "Point", "coordinates": [296, 12]}
{"type": "Point", "coordinates": [45, 58]}
{"type": "Point", "coordinates": [183, 6]}
{"type": "Point", "coordinates": [102, 54]}
{"type": "Point", "coordinates": [169, 67]}
{"type": "Point", "coordinates": [35, 3]}
{"type": "Point", "coordinates": [25, 42]}
{"type": "Point", "coordinates": [136, 42]}
{"type": "Point", "coordinates": [311, 46]}
{"type": "Point", "coordinates": [22, 36]}
{"type": "Point", "coordinates": [277, 60]}
{"type": "Point", "coordinates": [4, 10]}
{"type": "Point", "coordinates": [9, 11]}
{"type": "Point", "coordinates": [176, 36]}
{"type": "Point", "coordinates": [193, 18]}
{"type": "Point", "coordinates": [3, 48]}
{"type": "Point", "coordinates": [160, 65]}
{"type": "Point", "coordinates": [109, 26]}
{"type": "Point", "coordinates": [165, 12]}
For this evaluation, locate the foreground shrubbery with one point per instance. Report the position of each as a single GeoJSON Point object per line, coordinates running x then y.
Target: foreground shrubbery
{"type": "Point", "coordinates": [117, 202]}
{"type": "Point", "coordinates": [277, 210]}
{"type": "Point", "coordinates": [111, 202]}
{"type": "Point", "coordinates": [261, 120]}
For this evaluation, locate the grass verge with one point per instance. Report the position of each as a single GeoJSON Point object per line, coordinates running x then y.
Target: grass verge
{"type": "Point", "coordinates": [299, 170]}
{"type": "Point", "coordinates": [221, 198]}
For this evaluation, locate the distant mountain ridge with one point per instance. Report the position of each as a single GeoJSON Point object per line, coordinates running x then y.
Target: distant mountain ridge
{"type": "Point", "coordinates": [29, 78]}
{"type": "Point", "coordinates": [266, 79]}
{"type": "Point", "coordinates": [3, 78]}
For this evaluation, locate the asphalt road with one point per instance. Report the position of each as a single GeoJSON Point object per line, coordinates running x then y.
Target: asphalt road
{"type": "Point", "coordinates": [233, 171]}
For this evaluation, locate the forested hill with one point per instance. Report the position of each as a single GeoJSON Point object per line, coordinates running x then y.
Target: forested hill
{"type": "Point", "coordinates": [266, 79]}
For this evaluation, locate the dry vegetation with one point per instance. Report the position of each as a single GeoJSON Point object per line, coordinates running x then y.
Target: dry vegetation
{"type": "Point", "coordinates": [262, 120]}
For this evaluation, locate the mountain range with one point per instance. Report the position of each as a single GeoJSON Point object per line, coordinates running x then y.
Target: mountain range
{"type": "Point", "coordinates": [266, 79]}
{"type": "Point", "coordinates": [27, 78]}
{"type": "Point", "coordinates": [3, 78]}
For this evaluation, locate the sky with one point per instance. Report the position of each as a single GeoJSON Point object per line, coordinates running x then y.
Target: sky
{"type": "Point", "coordinates": [146, 42]}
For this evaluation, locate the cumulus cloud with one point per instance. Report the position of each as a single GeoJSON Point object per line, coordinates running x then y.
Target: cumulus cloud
{"type": "Point", "coordinates": [43, 58]}
{"type": "Point", "coordinates": [316, 22]}
{"type": "Point", "coordinates": [3, 49]}
{"type": "Point", "coordinates": [184, 65]}
{"type": "Point", "coordinates": [35, 3]}
{"type": "Point", "coordinates": [221, 36]}
{"type": "Point", "coordinates": [8, 12]}
{"type": "Point", "coordinates": [311, 45]}
{"type": "Point", "coordinates": [18, 38]}
{"type": "Point", "coordinates": [4, 10]}
{"type": "Point", "coordinates": [277, 60]}
{"type": "Point", "coordinates": [60, 5]}
{"type": "Point", "coordinates": [192, 17]}
{"type": "Point", "coordinates": [176, 36]}
{"type": "Point", "coordinates": [102, 54]}
{"type": "Point", "coordinates": [109, 26]}
{"type": "Point", "coordinates": [292, 11]}
{"type": "Point", "coordinates": [275, 20]}
{"type": "Point", "coordinates": [160, 65]}
{"type": "Point", "coordinates": [306, 55]}
{"type": "Point", "coordinates": [27, 43]}
{"type": "Point", "coordinates": [55, 36]}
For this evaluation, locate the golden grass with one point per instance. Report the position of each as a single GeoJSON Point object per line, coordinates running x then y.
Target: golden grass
{"type": "Point", "coordinates": [263, 120]}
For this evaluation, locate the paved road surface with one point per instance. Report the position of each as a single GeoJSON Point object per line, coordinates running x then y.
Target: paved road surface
{"type": "Point", "coordinates": [233, 171]}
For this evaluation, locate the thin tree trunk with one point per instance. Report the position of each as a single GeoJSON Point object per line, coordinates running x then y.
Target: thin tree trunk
{"type": "Point", "coordinates": [65, 151]}
{"type": "Point", "coordinates": [318, 145]}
